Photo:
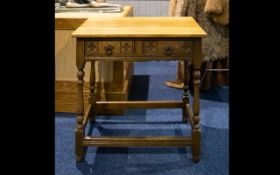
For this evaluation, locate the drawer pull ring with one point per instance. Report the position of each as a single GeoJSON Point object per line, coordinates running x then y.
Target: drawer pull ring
{"type": "Point", "coordinates": [168, 50]}
{"type": "Point", "coordinates": [109, 49]}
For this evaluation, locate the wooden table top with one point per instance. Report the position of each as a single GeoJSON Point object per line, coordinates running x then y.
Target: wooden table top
{"type": "Point", "coordinates": [169, 27]}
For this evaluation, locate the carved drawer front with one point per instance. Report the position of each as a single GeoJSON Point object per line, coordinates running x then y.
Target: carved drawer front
{"type": "Point", "coordinates": [138, 48]}
{"type": "Point", "coordinates": [91, 48]}
{"type": "Point", "coordinates": [127, 47]}
{"type": "Point", "coordinates": [109, 48]}
{"type": "Point", "coordinates": [186, 47]}
{"type": "Point", "coordinates": [166, 48]}
{"type": "Point", "coordinates": [149, 48]}
{"type": "Point", "coordinates": [174, 48]}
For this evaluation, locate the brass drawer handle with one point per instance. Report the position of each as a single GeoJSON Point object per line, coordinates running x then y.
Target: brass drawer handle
{"type": "Point", "coordinates": [109, 49]}
{"type": "Point", "coordinates": [168, 50]}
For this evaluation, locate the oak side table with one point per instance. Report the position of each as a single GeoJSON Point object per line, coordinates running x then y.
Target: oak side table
{"type": "Point", "coordinates": [135, 39]}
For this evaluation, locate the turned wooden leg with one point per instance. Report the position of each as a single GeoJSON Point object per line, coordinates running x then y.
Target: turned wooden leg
{"type": "Point", "coordinates": [79, 133]}
{"type": "Point", "coordinates": [196, 108]}
{"type": "Point", "coordinates": [186, 92]}
{"type": "Point", "coordinates": [80, 117]}
{"type": "Point", "coordinates": [197, 60]}
{"type": "Point", "coordinates": [92, 97]}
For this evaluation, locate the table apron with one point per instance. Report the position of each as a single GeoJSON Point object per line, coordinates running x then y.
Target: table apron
{"type": "Point", "coordinates": [136, 58]}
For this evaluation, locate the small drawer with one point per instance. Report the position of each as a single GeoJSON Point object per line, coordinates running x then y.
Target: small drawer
{"type": "Point", "coordinates": [166, 48]}
{"type": "Point", "coordinates": [174, 48]}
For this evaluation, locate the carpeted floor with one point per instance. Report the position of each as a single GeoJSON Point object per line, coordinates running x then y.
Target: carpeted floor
{"type": "Point", "coordinates": [148, 84]}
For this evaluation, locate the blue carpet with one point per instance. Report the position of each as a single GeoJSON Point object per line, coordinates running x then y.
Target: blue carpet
{"type": "Point", "coordinates": [148, 84]}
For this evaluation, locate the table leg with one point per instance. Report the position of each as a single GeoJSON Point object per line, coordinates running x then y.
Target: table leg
{"type": "Point", "coordinates": [79, 132]}
{"type": "Point", "coordinates": [92, 97]}
{"type": "Point", "coordinates": [186, 92]}
{"type": "Point", "coordinates": [197, 59]}
{"type": "Point", "coordinates": [196, 118]}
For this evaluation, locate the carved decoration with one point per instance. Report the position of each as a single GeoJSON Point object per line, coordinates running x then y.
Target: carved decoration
{"type": "Point", "coordinates": [149, 48]}
{"type": "Point", "coordinates": [127, 47]}
{"type": "Point", "coordinates": [186, 47]}
{"type": "Point", "coordinates": [91, 48]}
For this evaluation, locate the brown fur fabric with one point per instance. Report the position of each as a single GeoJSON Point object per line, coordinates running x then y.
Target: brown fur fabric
{"type": "Point", "coordinates": [218, 10]}
{"type": "Point", "coordinates": [181, 7]}
{"type": "Point", "coordinates": [177, 7]}
{"type": "Point", "coordinates": [172, 7]}
{"type": "Point", "coordinates": [223, 18]}
{"type": "Point", "coordinates": [213, 7]}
